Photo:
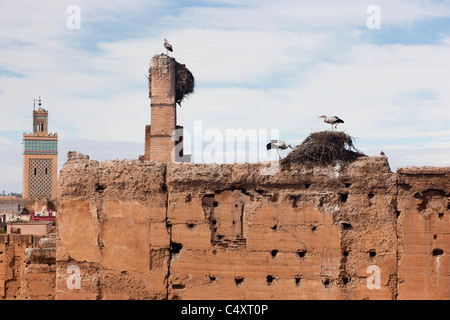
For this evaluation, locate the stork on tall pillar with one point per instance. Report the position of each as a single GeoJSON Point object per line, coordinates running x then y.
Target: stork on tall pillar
{"type": "Point", "coordinates": [168, 46]}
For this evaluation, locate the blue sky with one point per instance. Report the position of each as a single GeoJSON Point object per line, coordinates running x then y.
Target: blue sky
{"type": "Point", "coordinates": [258, 65]}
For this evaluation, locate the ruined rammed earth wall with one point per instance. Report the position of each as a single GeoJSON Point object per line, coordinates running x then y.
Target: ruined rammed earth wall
{"type": "Point", "coordinates": [27, 267]}
{"type": "Point", "coordinates": [146, 230]}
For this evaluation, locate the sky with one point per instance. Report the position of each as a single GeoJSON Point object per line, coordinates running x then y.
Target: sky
{"type": "Point", "coordinates": [261, 67]}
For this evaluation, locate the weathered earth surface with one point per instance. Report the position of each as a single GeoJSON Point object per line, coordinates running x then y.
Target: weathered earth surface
{"type": "Point", "coordinates": [130, 229]}
{"type": "Point", "coordinates": [145, 230]}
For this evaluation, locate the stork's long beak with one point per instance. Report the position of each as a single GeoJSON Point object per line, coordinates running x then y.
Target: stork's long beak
{"type": "Point", "coordinates": [290, 147]}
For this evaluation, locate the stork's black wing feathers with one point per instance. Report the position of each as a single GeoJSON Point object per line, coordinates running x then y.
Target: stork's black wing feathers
{"type": "Point", "coordinates": [274, 144]}
{"type": "Point", "coordinates": [338, 120]}
{"type": "Point", "coordinates": [168, 46]}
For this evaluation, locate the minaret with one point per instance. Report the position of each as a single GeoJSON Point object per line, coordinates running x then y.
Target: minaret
{"type": "Point", "coordinates": [40, 159]}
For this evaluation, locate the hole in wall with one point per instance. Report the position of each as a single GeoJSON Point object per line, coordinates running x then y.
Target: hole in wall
{"type": "Point", "coordinates": [190, 225]}
{"type": "Point", "coordinates": [260, 191]}
{"type": "Point", "coordinates": [435, 236]}
{"type": "Point", "coordinates": [274, 227]}
{"type": "Point", "coordinates": [274, 253]}
{"type": "Point", "coordinates": [212, 278]}
{"type": "Point", "coordinates": [178, 286]}
{"type": "Point", "coordinates": [99, 187]}
{"type": "Point", "coordinates": [238, 280]}
{"type": "Point", "coordinates": [215, 204]}
{"type": "Point", "coordinates": [347, 185]}
{"type": "Point", "coordinates": [294, 199]}
{"type": "Point", "coordinates": [437, 252]}
{"type": "Point", "coordinates": [346, 226]}
{"type": "Point", "coordinates": [372, 253]}
{"type": "Point", "coordinates": [321, 201]}
{"type": "Point", "coordinates": [175, 247]}
{"type": "Point", "coordinates": [301, 253]}
{"type": "Point", "coordinates": [417, 195]}
{"type": "Point", "coordinates": [307, 185]}
{"type": "Point", "coordinates": [188, 198]}
{"type": "Point", "coordinates": [297, 280]}
{"type": "Point", "coordinates": [371, 195]}
{"type": "Point", "coordinates": [270, 279]}
{"type": "Point", "coordinates": [345, 279]}
{"type": "Point", "coordinates": [441, 215]}
{"type": "Point", "coordinates": [345, 253]}
{"type": "Point", "coordinates": [314, 228]}
{"type": "Point", "coordinates": [326, 282]}
{"type": "Point", "coordinates": [343, 197]}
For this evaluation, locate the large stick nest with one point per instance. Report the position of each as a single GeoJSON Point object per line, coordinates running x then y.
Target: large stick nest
{"type": "Point", "coordinates": [184, 82]}
{"type": "Point", "coordinates": [323, 148]}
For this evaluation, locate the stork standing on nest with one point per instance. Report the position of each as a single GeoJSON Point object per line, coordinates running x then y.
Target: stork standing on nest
{"type": "Point", "coordinates": [168, 46]}
{"type": "Point", "coordinates": [333, 120]}
{"type": "Point", "coordinates": [278, 144]}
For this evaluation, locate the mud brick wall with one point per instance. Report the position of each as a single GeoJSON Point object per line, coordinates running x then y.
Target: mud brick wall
{"type": "Point", "coordinates": [27, 267]}
{"type": "Point", "coordinates": [424, 228]}
{"type": "Point", "coordinates": [40, 269]}
{"type": "Point", "coordinates": [111, 214]}
{"type": "Point", "coordinates": [146, 230]}
{"type": "Point", "coordinates": [299, 234]}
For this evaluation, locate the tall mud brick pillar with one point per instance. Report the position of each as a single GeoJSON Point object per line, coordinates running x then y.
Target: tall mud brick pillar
{"type": "Point", "coordinates": [159, 141]}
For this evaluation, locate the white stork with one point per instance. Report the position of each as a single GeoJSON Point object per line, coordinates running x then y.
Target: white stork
{"type": "Point", "coordinates": [168, 46]}
{"type": "Point", "coordinates": [333, 120]}
{"type": "Point", "coordinates": [278, 144]}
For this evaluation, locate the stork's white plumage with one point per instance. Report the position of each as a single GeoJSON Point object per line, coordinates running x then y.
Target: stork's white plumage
{"type": "Point", "coordinates": [278, 144]}
{"type": "Point", "coordinates": [333, 120]}
{"type": "Point", "coordinates": [168, 46]}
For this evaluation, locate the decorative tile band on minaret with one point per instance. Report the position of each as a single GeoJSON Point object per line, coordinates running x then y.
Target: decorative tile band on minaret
{"type": "Point", "coordinates": [40, 159]}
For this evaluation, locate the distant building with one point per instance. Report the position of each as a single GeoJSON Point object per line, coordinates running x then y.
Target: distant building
{"type": "Point", "coordinates": [40, 159]}
{"type": "Point", "coordinates": [2, 221]}
{"type": "Point", "coordinates": [12, 205]}
{"type": "Point", "coordinates": [42, 216]}
{"type": "Point", "coordinates": [29, 227]}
